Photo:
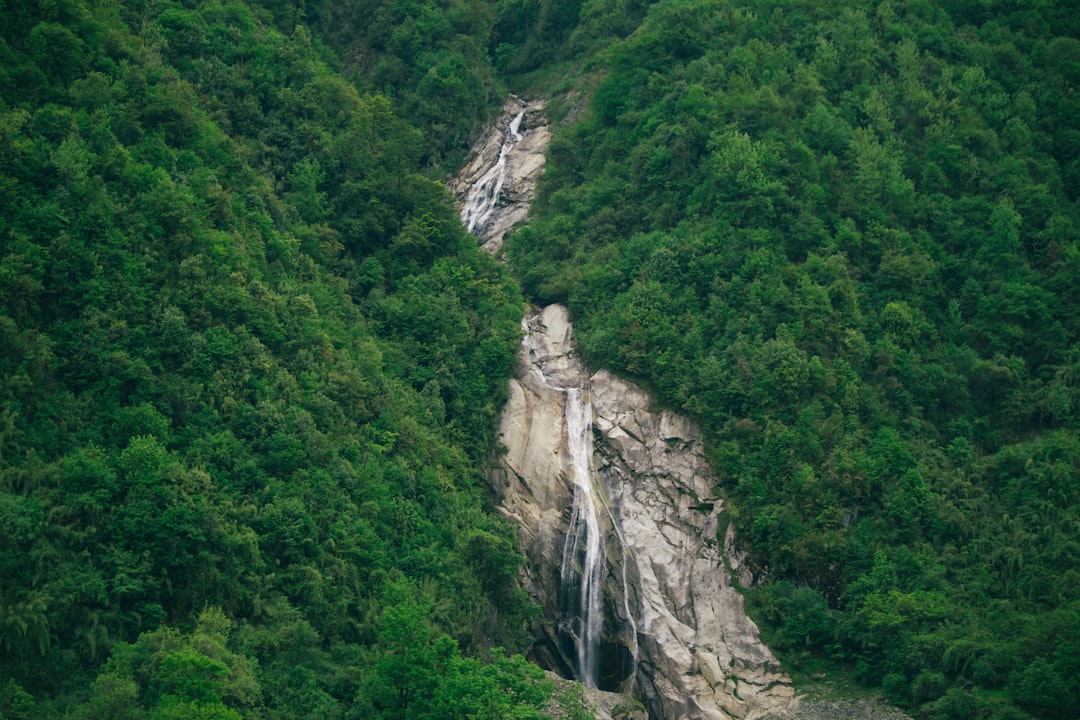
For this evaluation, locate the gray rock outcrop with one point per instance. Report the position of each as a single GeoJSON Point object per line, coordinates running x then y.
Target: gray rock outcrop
{"type": "Point", "coordinates": [675, 633]}
{"type": "Point", "coordinates": [524, 162]}
{"type": "Point", "coordinates": [602, 705]}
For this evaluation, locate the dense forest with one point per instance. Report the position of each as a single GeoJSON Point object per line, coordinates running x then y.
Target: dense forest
{"type": "Point", "coordinates": [250, 363]}
{"type": "Point", "coordinates": [844, 237]}
{"type": "Point", "coordinates": [249, 366]}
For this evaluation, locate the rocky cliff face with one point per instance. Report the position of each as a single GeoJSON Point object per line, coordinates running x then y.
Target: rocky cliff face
{"type": "Point", "coordinates": [499, 181]}
{"type": "Point", "coordinates": [675, 631]}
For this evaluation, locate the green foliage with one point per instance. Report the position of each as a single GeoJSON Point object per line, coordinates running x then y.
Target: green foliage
{"type": "Point", "coordinates": [841, 238]}
{"type": "Point", "coordinates": [250, 365]}
{"type": "Point", "coordinates": [432, 58]}
{"type": "Point", "coordinates": [421, 676]}
{"type": "Point", "coordinates": [169, 675]}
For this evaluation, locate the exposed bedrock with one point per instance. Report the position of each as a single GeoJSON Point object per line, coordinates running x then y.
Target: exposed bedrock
{"type": "Point", "coordinates": [675, 632]}
{"type": "Point", "coordinates": [497, 187]}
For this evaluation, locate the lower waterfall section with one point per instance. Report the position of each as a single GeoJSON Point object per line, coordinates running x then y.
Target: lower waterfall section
{"type": "Point", "coordinates": [619, 523]}
{"type": "Point", "coordinates": [584, 563]}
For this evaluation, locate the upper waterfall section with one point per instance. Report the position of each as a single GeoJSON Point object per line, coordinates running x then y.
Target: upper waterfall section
{"type": "Point", "coordinates": [497, 187]}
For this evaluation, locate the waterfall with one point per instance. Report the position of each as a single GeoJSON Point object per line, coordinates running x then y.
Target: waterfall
{"type": "Point", "coordinates": [699, 655]}
{"type": "Point", "coordinates": [484, 194]}
{"type": "Point", "coordinates": [583, 564]}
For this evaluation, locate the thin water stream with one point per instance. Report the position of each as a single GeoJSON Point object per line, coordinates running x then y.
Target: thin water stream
{"type": "Point", "coordinates": [584, 562]}
{"type": "Point", "coordinates": [588, 533]}
{"type": "Point", "coordinates": [483, 196]}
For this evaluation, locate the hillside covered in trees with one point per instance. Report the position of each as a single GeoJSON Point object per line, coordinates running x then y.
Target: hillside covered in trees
{"type": "Point", "coordinates": [844, 237]}
{"type": "Point", "coordinates": [250, 363]}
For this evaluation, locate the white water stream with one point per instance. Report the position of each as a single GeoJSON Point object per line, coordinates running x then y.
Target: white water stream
{"type": "Point", "coordinates": [700, 655]}
{"type": "Point", "coordinates": [584, 563]}
{"type": "Point", "coordinates": [483, 196]}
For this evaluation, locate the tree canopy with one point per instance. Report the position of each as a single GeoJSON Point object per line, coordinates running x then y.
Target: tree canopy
{"type": "Point", "coordinates": [250, 363]}
{"type": "Point", "coordinates": [843, 236]}
{"type": "Point", "coordinates": [250, 366]}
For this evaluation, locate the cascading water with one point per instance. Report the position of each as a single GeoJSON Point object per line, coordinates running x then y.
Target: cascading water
{"type": "Point", "coordinates": [700, 655]}
{"type": "Point", "coordinates": [584, 563]}
{"type": "Point", "coordinates": [483, 196]}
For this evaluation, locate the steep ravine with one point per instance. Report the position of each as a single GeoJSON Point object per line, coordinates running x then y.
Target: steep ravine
{"type": "Point", "coordinates": [672, 630]}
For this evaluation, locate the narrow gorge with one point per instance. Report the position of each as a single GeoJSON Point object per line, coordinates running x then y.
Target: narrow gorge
{"type": "Point", "coordinates": [615, 503]}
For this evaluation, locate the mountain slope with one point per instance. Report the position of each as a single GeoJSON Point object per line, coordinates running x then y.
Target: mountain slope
{"type": "Point", "coordinates": [845, 239]}
{"type": "Point", "coordinates": [250, 363]}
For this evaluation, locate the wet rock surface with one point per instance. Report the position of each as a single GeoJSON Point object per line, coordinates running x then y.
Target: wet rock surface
{"type": "Point", "coordinates": [688, 648]}
{"type": "Point", "coordinates": [505, 168]}
{"type": "Point", "coordinates": [602, 705]}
